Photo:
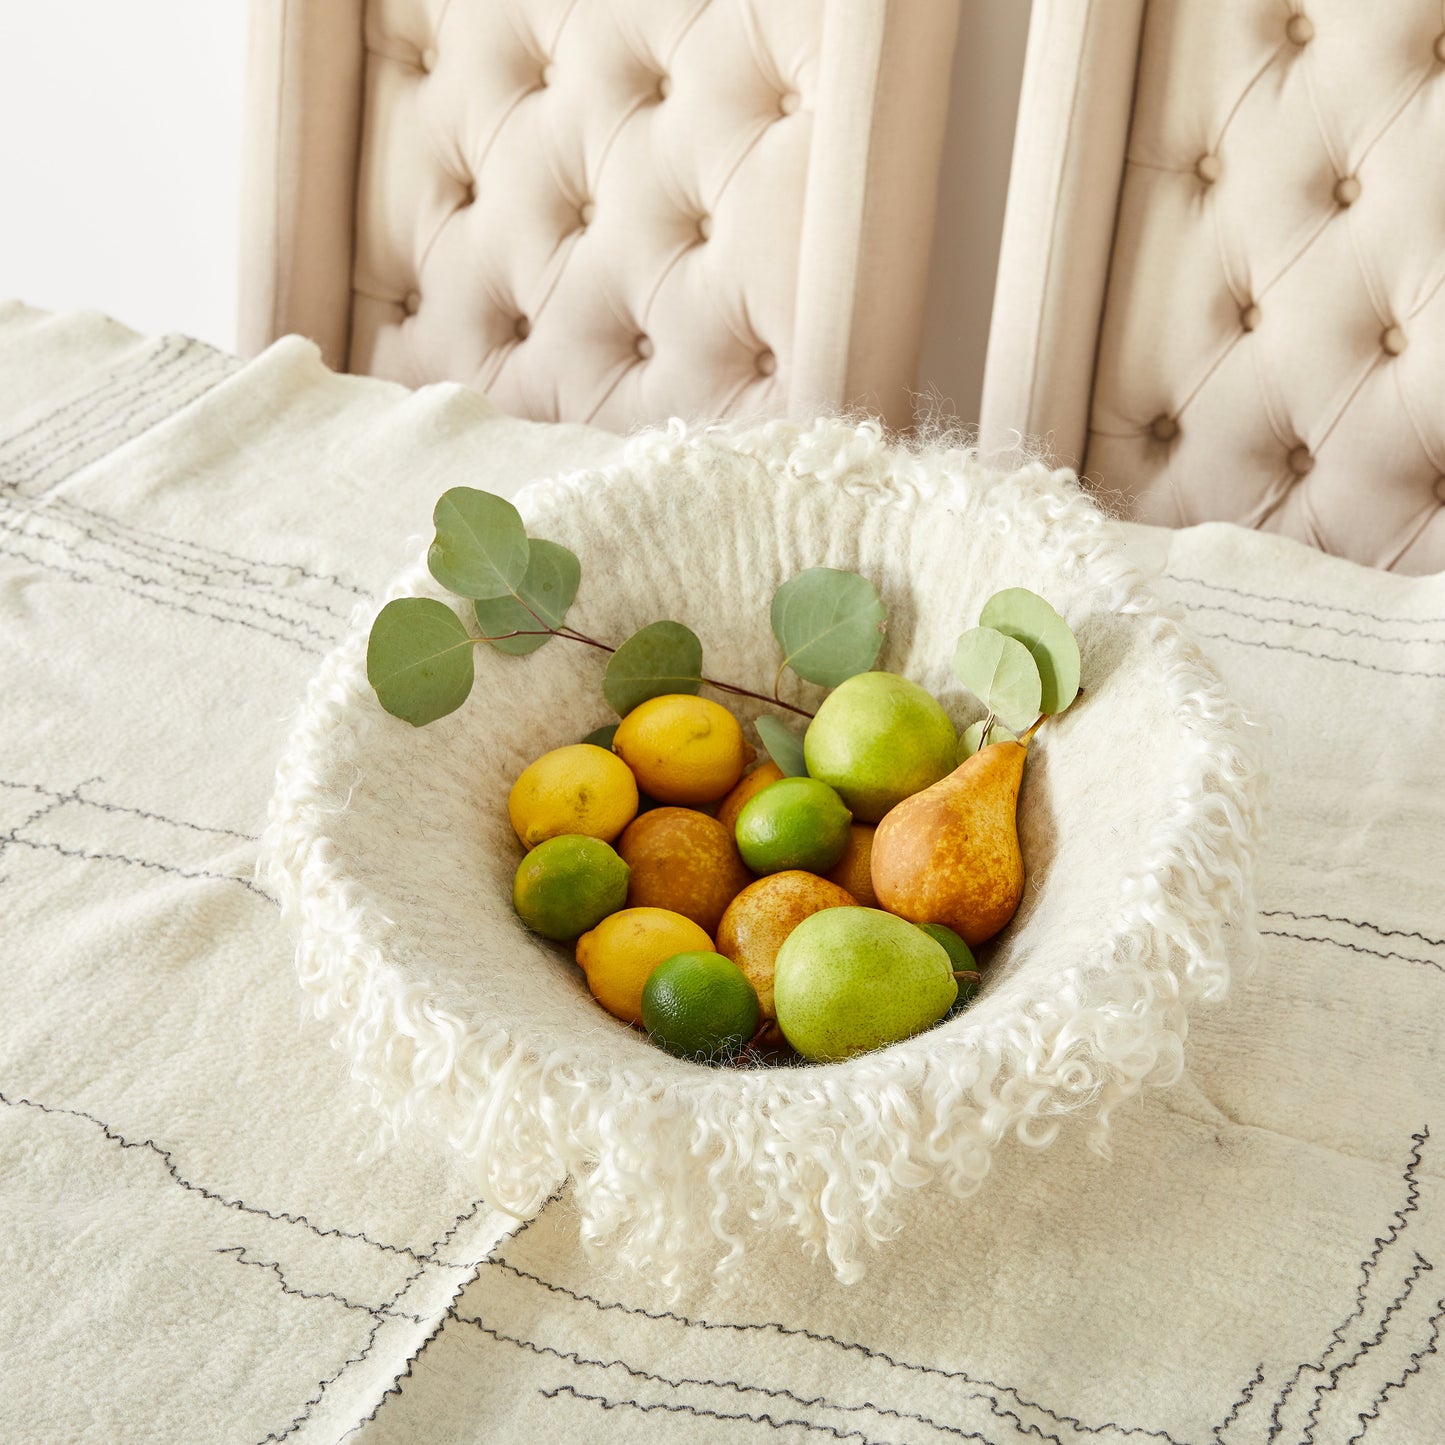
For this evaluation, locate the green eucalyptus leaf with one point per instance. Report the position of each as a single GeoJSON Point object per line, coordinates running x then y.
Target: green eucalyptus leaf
{"type": "Point", "coordinates": [1025, 616]}
{"type": "Point", "coordinates": [1001, 673]}
{"type": "Point", "coordinates": [602, 737]}
{"type": "Point", "coordinates": [662, 657]}
{"type": "Point", "coordinates": [547, 589]}
{"type": "Point", "coordinates": [784, 746]}
{"type": "Point", "coordinates": [970, 740]}
{"type": "Point", "coordinates": [419, 659]}
{"type": "Point", "coordinates": [481, 544]}
{"type": "Point", "coordinates": [829, 624]}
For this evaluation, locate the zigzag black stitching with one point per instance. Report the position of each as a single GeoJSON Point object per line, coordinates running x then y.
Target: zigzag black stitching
{"type": "Point", "coordinates": [1367, 1268]}
{"type": "Point", "coordinates": [1320, 656]}
{"type": "Point", "coordinates": [239, 1250]}
{"type": "Point", "coordinates": [74, 796]}
{"type": "Point", "coordinates": [721, 1415]}
{"type": "Point", "coordinates": [1422, 1266]}
{"type": "Point", "coordinates": [1302, 622]}
{"type": "Point", "coordinates": [1305, 602]}
{"type": "Point", "coordinates": [867, 1351]}
{"type": "Point", "coordinates": [1354, 923]}
{"type": "Point", "coordinates": [1417, 1359]}
{"type": "Point", "coordinates": [1245, 1396]}
{"type": "Point", "coordinates": [280, 1217]}
{"type": "Point", "coordinates": [741, 1389]}
{"type": "Point", "coordinates": [45, 846]}
{"type": "Point", "coordinates": [85, 580]}
{"type": "Point", "coordinates": [1353, 947]}
{"type": "Point", "coordinates": [199, 593]}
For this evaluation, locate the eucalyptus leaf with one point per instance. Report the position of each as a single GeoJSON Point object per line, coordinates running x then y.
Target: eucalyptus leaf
{"type": "Point", "coordinates": [419, 659]}
{"type": "Point", "coordinates": [481, 547]}
{"type": "Point", "coordinates": [662, 657]}
{"type": "Point", "coordinates": [1001, 672]}
{"type": "Point", "coordinates": [784, 746]}
{"type": "Point", "coordinates": [547, 589]}
{"type": "Point", "coordinates": [970, 740]}
{"type": "Point", "coordinates": [1025, 616]}
{"type": "Point", "coordinates": [602, 737]}
{"type": "Point", "coordinates": [829, 624]}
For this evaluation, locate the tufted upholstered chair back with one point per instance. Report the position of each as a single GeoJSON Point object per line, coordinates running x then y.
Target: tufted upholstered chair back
{"type": "Point", "coordinates": [600, 210]}
{"type": "Point", "coordinates": [1222, 290]}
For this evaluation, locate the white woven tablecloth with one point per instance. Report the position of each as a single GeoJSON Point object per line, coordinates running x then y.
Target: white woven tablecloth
{"type": "Point", "coordinates": [194, 1250]}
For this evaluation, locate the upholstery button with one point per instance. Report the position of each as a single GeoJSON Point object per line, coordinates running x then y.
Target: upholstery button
{"type": "Point", "coordinates": [1440, 49]}
{"type": "Point", "coordinates": [788, 102]}
{"type": "Point", "coordinates": [429, 59]}
{"type": "Point", "coordinates": [704, 228]}
{"type": "Point", "coordinates": [1347, 190]}
{"type": "Point", "coordinates": [1440, 489]}
{"type": "Point", "coordinates": [523, 328]}
{"type": "Point", "coordinates": [1249, 317]}
{"type": "Point", "coordinates": [547, 75]}
{"type": "Point", "coordinates": [767, 363]}
{"type": "Point", "coordinates": [587, 213]}
{"type": "Point", "coordinates": [411, 302]}
{"type": "Point", "coordinates": [1163, 428]}
{"type": "Point", "coordinates": [643, 347]}
{"type": "Point", "coordinates": [664, 86]}
{"type": "Point", "coordinates": [1393, 340]}
{"type": "Point", "coordinates": [1300, 30]}
{"type": "Point", "coordinates": [469, 193]}
{"type": "Point", "coordinates": [1301, 463]}
{"type": "Point", "coordinates": [1208, 169]}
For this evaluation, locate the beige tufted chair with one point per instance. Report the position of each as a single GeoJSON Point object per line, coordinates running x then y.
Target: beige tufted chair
{"type": "Point", "coordinates": [1222, 286]}
{"type": "Point", "coordinates": [600, 210]}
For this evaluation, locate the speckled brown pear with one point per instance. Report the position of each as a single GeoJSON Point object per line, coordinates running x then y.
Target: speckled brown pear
{"type": "Point", "coordinates": [950, 854]}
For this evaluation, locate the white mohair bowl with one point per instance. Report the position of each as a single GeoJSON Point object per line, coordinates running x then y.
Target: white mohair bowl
{"type": "Point", "coordinates": [391, 851]}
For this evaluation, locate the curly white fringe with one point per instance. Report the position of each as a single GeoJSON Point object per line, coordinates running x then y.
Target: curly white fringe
{"type": "Point", "coordinates": [823, 1152]}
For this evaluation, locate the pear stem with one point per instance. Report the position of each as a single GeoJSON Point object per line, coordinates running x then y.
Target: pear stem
{"type": "Point", "coordinates": [965, 975]}
{"type": "Point", "coordinates": [1025, 737]}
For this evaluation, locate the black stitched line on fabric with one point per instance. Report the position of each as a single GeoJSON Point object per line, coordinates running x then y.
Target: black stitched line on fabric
{"type": "Point", "coordinates": [1368, 1266]}
{"type": "Point", "coordinates": [1417, 1359]}
{"type": "Point", "coordinates": [1354, 923]}
{"type": "Point", "coordinates": [155, 356]}
{"type": "Point", "coordinates": [1305, 602]}
{"type": "Point", "coordinates": [867, 1351]}
{"type": "Point", "coordinates": [176, 391]}
{"type": "Point", "coordinates": [1245, 1396]}
{"type": "Point", "coordinates": [1422, 1266]}
{"type": "Point", "coordinates": [45, 845]}
{"type": "Point", "coordinates": [280, 1217]}
{"type": "Point", "coordinates": [202, 553]}
{"type": "Point", "coordinates": [74, 796]}
{"type": "Point", "coordinates": [272, 1267]}
{"type": "Point", "coordinates": [158, 601]}
{"type": "Point", "coordinates": [775, 1393]}
{"type": "Point", "coordinates": [1320, 656]}
{"type": "Point", "coordinates": [145, 555]}
{"type": "Point", "coordinates": [160, 387]}
{"type": "Point", "coordinates": [1309, 622]}
{"type": "Point", "coordinates": [704, 1414]}
{"type": "Point", "coordinates": [36, 535]}
{"type": "Point", "coordinates": [1354, 947]}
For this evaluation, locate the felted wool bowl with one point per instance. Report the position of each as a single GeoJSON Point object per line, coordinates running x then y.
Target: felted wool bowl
{"type": "Point", "coordinates": [391, 851]}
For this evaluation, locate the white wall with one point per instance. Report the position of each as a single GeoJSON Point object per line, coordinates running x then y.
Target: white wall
{"type": "Point", "coordinates": [120, 130]}
{"type": "Point", "coordinates": [120, 127]}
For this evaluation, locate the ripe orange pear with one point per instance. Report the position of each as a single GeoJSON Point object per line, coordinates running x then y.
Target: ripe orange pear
{"type": "Point", "coordinates": [950, 854]}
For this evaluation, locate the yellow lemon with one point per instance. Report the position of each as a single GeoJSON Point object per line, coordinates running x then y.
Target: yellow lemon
{"type": "Point", "coordinates": [682, 749]}
{"type": "Point", "coordinates": [577, 789]}
{"type": "Point", "coordinates": [620, 953]}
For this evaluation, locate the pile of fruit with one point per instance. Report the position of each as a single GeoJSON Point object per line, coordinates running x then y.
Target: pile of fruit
{"type": "Point", "coordinates": [724, 910]}
{"type": "Point", "coordinates": [828, 901]}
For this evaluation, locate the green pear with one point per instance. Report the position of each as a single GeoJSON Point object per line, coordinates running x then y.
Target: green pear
{"type": "Point", "coordinates": [848, 980]}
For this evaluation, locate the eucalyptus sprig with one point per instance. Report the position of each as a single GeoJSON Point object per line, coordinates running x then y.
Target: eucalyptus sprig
{"type": "Point", "coordinates": [420, 654]}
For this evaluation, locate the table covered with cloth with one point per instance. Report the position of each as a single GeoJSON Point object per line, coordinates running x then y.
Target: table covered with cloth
{"type": "Point", "coordinates": [199, 1242]}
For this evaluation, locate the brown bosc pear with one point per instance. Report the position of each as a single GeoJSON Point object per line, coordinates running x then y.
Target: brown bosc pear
{"type": "Point", "coordinates": [950, 854]}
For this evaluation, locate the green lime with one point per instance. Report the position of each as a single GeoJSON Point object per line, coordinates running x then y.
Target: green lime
{"type": "Point", "coordinates": [879, 738]}
{"type": "Point", "coordinates": [959, 954]}
{"type": "Point", "coordinates": [793, 823]}
{"type": "Point", "coordinates": [568, 885]}
{"type": "Point", "coordinates": [699, 1006]}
